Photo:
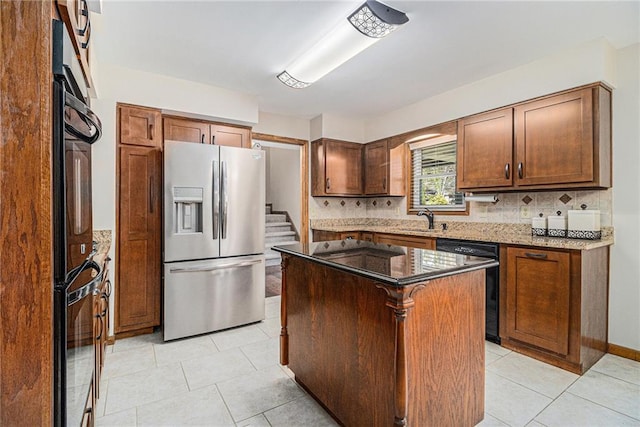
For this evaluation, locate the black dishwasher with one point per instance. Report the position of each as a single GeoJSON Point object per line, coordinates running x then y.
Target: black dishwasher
{"type": "Point", "coordinates": [486, 250]}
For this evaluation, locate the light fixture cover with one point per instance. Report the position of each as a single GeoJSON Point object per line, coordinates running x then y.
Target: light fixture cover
{"type": "Point", "coordinates": [285, 78]}
{"type": "Point", "coordinates": [373, 19]}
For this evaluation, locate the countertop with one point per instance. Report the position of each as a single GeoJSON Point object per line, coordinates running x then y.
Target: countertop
{"type": "Point", "coordinates": [393, 265]}
{"type": "Point", "coordinates": [516, 234]}
{"type": "Point", "coordinates": [102, 238]}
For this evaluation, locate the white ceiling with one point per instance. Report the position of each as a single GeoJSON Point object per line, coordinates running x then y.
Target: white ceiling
{"type": "Point", "coordinates": [243, 45]}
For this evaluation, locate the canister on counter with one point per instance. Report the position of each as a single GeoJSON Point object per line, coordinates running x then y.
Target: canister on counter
{"type": "Point", "coordinates": [539, 226]}
{"type": "Point", "coordinates": [584, 224]}
{"type": "Point", "coordinates": [557, 225]}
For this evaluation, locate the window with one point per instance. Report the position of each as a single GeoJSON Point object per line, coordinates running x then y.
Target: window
{"type": "Point", "coordinates": [433, 175]}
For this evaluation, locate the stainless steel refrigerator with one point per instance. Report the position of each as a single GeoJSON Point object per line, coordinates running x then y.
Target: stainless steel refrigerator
{"type": "Point", "coordinates": [214, 267]}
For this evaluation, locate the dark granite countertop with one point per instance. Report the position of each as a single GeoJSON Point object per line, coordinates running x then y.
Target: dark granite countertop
{"type": "Point", "coordinates": [394, 265]}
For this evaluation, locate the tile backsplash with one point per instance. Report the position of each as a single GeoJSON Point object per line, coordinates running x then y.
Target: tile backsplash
{"type": "Point", "coordinates": [508, 209]}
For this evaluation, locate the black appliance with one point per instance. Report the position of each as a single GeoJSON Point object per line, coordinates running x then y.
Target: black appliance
{"type": "Point", "coordinates": [486, 250]}
{"type": "Point", "coordinates": [76, 275]}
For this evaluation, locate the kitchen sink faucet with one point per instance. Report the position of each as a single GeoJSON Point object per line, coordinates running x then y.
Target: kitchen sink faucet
{"type": "Point", "coordinates": [426, 212]}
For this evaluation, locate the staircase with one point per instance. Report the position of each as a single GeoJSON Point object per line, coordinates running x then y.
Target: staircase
{"type": "Point", "coordinates": [278, 231]}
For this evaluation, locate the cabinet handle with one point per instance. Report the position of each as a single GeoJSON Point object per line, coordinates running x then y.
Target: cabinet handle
{"type": "Point", "coordinates": [150, 136]}
{"type": "Point", "coordinates": [101, 323]}
{"type": "Point", "coordinates": [507, 172]}
{"type": "Point", "coordinates": [151, 201]}
{"type": "Point", "coordinates": [384, 184]}
{"type": "Point", "coordinates": [202, 139]}
{"type": "Point", "coordinates": [520, 170]}
{"type": "Point", "coordinates": [85, 44]}
{"type": "Point", "coordinates": [328, 183]}
{"type": "Point", "coordinates": [213, 139]}
{"type": "Point", "coordinates": [536, 256]}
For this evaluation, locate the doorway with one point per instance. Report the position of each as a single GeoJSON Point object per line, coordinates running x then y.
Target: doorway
{"type": "Point", "coordinates": [286, 210]}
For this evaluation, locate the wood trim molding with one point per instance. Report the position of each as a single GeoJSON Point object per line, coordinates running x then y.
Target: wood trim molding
{"type": "Point", "coordinates": [304, 175]}
{"type": "Point", "coordinates": [627, 353]}
{"type": "Point", "coordinates": [26, 270]}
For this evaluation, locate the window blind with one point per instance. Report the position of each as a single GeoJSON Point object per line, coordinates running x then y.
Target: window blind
{"type": "Point", "coordinates": [433, 177]}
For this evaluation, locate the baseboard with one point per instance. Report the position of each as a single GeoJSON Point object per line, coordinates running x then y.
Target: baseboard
{"type": "Point", "coordinates": [627, 353]}
{"type": "Point", "coordinates": [129, 334]}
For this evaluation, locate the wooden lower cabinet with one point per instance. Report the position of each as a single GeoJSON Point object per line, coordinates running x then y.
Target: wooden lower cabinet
{"type": "Point", "coordinates": [404, 240]}
{"type": "Point", "coordinates": [137, 298]}
{"type": "Point", "coordinates": [376, 355]}
{"type": "Point", "coordinates": [322, 236]}
{"type": "Point", "coordinates": [555, 304]}
{"type": "Point", "coordinates": [101, 321]}
{"type": "Point", "coordinates": [387, 238]}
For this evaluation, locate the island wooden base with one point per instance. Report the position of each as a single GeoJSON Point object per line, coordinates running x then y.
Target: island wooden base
{"type": "Point", "coordinates": [379, 355]}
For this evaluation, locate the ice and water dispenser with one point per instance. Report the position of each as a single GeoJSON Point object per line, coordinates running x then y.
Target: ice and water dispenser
{"type": "Point", "coordinates": [187, 209]}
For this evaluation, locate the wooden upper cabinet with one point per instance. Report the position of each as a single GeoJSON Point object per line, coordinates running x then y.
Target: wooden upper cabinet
{"type": "Point", "coordinates": [376, 160]}
{"type": "Point", "coordinates": [186, 130]}
{"type": "Point", "coordinates": [336, 168]}
{"type": "Point", "coordinates": [553, 142]}
{"type": "Point", "coordinates": [230, 136]}
{"type": "Point", "coordinates": [179, 129]}
{"type": "Point", "coordinates": [140, 126]}
{"type": "Point", "coordinates": [538, 304]}
{"type": "Point", "coordinates": [554, 139]}
{"type": "Point", "coordinates": [485, 150]}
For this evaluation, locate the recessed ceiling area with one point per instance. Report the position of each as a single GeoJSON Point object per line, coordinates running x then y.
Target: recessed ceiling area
{"type": "Point", "coordinates": [243, 45]}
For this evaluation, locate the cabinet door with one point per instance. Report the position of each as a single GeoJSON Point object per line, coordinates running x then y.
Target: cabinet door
{"type": "Point", "coordinates": [376, 161]}
{"type": "Point", "coordinates": [485, 150]}
{"type": "Point", "coordinates": [538, 283]}
{"type": "Point", "coordinates": [230, 136]}
{"type": "Point", "coordinates": [185, 130]}
{"type": "Point", "coordinates": [139, 258]}
{"type": "Point", "coordinates": [554, 139]}
{"type": "Point", "coordinates": [343, 168]}
{"type": "Point", "coordinates": [140, 126]}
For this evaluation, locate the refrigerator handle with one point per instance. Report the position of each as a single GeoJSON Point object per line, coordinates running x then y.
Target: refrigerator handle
{"type": "Point", "coordinates": [216, 267]}
{"type": "Point", "coordinates": [215, 207]}
{"type": "Point", "coordinates": [223, 199]}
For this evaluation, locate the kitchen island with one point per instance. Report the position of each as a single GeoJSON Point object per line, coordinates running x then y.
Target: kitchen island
{"type": "Point", "coordinates": [385, 335]}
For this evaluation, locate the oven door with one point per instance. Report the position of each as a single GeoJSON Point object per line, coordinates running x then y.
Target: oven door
{"type": "Point", "coordinates": [75, 342]}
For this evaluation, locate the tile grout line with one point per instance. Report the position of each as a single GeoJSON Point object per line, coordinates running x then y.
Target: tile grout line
{"type": "Point", "coordinates": [602, 406]}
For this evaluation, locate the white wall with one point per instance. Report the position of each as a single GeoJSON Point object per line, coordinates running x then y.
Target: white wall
{"type": "Point", "coordinates": [283, 181]}
{"type": "Point", "coordinates": [595, 61]}
{"type": "Point", "coordinates": [624, 291]}
{"type": "Point", "coordinates": [336, 127]}
{"type": "Point", "coordinates": [286, 126]}
{"type": "Point", "coordinates": [118, 84]}
{"type": "Point", "coordinates": [590, 63]}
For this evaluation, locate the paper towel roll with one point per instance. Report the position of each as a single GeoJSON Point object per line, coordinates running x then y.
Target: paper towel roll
{"type": "Point", "coordinates": [486, 198]}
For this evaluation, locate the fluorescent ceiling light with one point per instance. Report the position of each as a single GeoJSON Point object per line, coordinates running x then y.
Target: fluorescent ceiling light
{"type": "Point", "coordinates": [368, 24]}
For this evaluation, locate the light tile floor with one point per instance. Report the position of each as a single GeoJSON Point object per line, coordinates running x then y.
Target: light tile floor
{"type": "Point", "coordinates": [232, 378]}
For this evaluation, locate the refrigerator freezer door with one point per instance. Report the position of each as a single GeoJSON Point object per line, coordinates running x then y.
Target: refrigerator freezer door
{"type": "Point", "coordinates": [206, 296]}
{"type": "Point", "coordinates": [242, 200]}
{"type": "Point", "coordinates": [191, 176]}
